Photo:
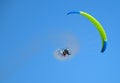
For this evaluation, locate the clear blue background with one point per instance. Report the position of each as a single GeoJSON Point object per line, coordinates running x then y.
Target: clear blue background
{"type": "Point", "coordinates": [27, 46]}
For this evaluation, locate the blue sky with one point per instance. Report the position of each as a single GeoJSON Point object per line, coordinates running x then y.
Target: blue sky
{"type": "Point", "coordinates": [31, 30]}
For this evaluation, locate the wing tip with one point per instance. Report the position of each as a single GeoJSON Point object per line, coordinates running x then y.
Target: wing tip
{"type": "Point", "coordinates": [104, 47]}
{"type": "Point", "coordinates": [73, 12]}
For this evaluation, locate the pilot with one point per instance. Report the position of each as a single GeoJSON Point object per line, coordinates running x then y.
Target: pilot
{"type": "Point", "coordinates": [66, 52]}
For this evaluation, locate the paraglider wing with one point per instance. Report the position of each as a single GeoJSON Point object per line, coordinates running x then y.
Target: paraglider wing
{"type": "Point", "coordinates": [97, 25]}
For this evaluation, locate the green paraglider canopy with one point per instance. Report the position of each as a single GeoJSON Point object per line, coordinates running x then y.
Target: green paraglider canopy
{"type": "Point", "coordinates": [98, 26]}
